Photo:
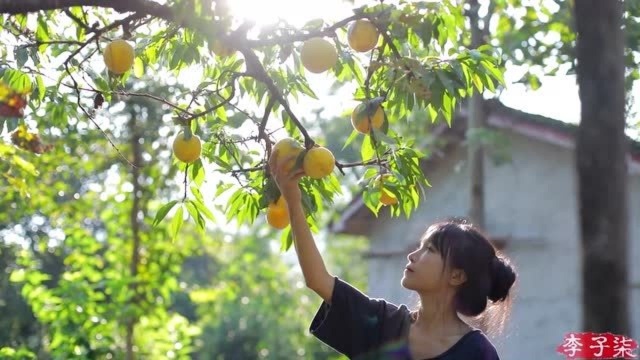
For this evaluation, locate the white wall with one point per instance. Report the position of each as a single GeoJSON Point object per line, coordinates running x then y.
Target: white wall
{"type": "Point", "coordinates": [634, 254]}
{"type": "Point", "coordinates": [533, 200]}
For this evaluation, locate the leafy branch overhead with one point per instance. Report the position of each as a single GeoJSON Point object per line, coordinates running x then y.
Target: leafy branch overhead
{"type": "Point", "coordinates": [404, 59]}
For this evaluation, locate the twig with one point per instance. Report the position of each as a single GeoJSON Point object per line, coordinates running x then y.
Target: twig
{"type": "Point", "coordinates": [186, 171]}
{"type": "Point", "coordinates": [342, 166]}
{"type": "Point", "coordinates": [223, 103]}
{"type": "Point", "coordinates": [52, 42]}
{"type": "Point", "coordinates": [78, 21]}
{"type": "Point", "coordinates": [389, 41]}
{"type": "Point", "coordinates": [370, 72]}
{"type": "Point", "coordinates": [245, 170]}
{"type": "Point", "coordinates": [245, 113]}
{"type": "Point", "coordinates": [233, 155]}
{"type": "Point", "coordinates": [263, 124]}
{"type": "Point", "coordinates": [135, 94]}
{"type": "Point", "coordinates": [243, 140]}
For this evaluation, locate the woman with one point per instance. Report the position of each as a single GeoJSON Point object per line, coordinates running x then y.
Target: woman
{"type": "Point", "coordinates": [455, 271]}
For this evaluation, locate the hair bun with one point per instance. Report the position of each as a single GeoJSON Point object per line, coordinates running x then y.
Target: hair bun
{"type": "Point", "coordinates": [502, 278]}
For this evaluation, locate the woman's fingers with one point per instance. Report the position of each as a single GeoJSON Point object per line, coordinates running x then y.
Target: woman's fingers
{"type": "Point", "coordinates": [279, 171]}
{"type": "Point", "coordinates": [273, 161]}
{"type": "Point", "coordinates": [297, 176]}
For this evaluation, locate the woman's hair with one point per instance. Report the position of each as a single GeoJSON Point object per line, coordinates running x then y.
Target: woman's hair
{"type": "Point", "coordinates": [490, 275]}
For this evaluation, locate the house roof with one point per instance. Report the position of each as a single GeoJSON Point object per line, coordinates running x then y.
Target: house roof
{"type": "Point", "coordinates": [356, 218]}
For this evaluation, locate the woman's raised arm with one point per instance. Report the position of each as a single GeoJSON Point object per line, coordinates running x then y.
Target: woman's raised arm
{"type": "Point", "coordinates": [315, 273]}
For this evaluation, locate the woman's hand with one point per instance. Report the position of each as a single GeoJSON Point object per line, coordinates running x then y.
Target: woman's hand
{"type": "Point", "coordinates": [287, 180]}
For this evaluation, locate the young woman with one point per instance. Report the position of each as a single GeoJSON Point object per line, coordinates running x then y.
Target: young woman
{"type": "Point", "coordinates": [455, 271]}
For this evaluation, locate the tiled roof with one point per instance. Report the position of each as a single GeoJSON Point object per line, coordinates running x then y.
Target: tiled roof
{"type": "Point", "coordinates": [355, 218]}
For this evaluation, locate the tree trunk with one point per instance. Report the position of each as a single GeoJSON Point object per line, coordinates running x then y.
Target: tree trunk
{"type": "Point", "coordinates": [475, 122]}
{"type": "Point", "coordinates": [136, 149]}
{"type": "Point", "coordinates": [601, 152]}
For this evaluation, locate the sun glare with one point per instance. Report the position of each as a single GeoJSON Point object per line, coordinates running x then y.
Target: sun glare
{"type": "Point", "coordinates": [295, 12]}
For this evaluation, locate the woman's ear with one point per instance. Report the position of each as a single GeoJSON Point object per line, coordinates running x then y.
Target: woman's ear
{"type": "Point", "coordinates": [458, 277]}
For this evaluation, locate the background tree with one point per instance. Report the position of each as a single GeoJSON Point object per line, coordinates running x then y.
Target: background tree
{"type": "Point", "coordinates": [541, 37]}
{"type": "Point", "coordinates": [601, 151]}
{"type": "Point", "coordinates": [476, 123]}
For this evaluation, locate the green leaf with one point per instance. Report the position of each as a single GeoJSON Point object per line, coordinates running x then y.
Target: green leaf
{"type": "Point", "coordinates": [202, 208]}
{"type": "Point", "coordinates": [22, 55]}
{"type": "Point", "coordinates": [477, 80]}
{"type": "Point", "coordinates": [25, 165]}
{"type": "Point", "coordinates": [314, 24]}
{"type": "Point", "coordinates": [353, 136]}
{"type": "Point", "coordinates": [221, 188]}
{"type": "Point", "coordinates": [221, 114]}
{"type": "Point", "coordinates": [369, 173]}
{"type": "Point", "coordinates": [163, 211]}
{"type": "Point", "coordinates": [381, 136]}
{"type": "Point", "coordinates": [433, 113]}
{"type": "Point", "coordinates": [286, 239]}
{"type": "Point", "coordinates": [176, 223]}
{"type": "Point", "coordinates": [138, 67]}
{"type": "Point", "coordinates": [42, 32]}
{"type": "Point", "coordinates": [367, 151]}
{"type": "Point", "coordinates": [192, 209]}
{"type": "Point", "coordinates": [197, 172]}
{"type": "Point", "coordinates": [447, 107]}
{"type": "Point", "coordinates": [41, 87]}
{"type": "Point", "coordinates": [101, 84]}
{"type": "Point", "coordinates": [17, 80]}
{"type": "Point", "coordinates": [18, 276]}
{"type": "Point", "coordinates": [305, 89]}
{"type": "Point", "coordinates": [372, 200]}
{"type": "Point", "coordinates": [11, 123]}
{"type": "Point", "coordinates": [446, 81]}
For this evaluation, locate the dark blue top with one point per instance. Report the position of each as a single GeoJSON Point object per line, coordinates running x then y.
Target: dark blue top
{"type": "Point", "coordinates": [365, 328]}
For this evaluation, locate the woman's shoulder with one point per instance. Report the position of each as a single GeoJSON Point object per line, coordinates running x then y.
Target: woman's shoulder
{"type": "Point", "coordinates": [354, 323]}
{"type": "Point", "coordinates": [473, 345]}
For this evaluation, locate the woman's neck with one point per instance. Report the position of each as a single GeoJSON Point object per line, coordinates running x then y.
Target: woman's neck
{"type": "Point", "coordinates": [437, 315]}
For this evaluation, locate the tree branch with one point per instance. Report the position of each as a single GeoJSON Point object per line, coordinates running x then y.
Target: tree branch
{"type": "Point", "coordinates": [246, 170]}
{"type": "Point", "coordinates": [78, 21]}
{"type": "Point", "coordinates": [342, 166]}
{"type": "Point", "coordinates": [220, 104]}
{"type": "Point", "coordinates": [13, 7]}
{"type": "Point", "coordinates": [257, 71]}
{"type": "Point", "coordinates": [53, 42]}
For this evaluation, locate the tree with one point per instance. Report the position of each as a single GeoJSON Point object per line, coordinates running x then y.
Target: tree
{"type": "Point", "coordinates": [115, 274]}
{"type": "Point", "coordinates": [402, 77]}
{"type": "Point", "coordinates": [476, 124]}
{"type": "Point", "coordinates": [601, 154]}
{"type": "Point", "coordinates": [120, 267]}
{"type": "Point", "coordinates": [541, 36]}
{"type": "Point", "coordinates": [246, 307]}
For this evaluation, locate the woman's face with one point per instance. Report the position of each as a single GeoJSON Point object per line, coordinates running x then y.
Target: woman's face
{"type": "Point", "coordinates": [424, 272]}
